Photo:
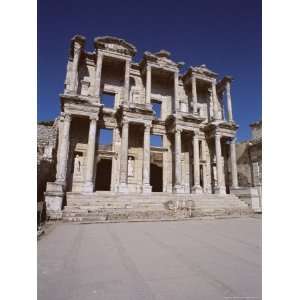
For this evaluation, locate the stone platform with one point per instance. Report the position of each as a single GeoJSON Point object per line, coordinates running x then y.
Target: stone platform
{"type": "Point", "coordinates": [108, 206]}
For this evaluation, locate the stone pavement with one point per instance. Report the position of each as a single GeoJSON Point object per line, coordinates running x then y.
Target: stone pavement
{"type": "Point", "coordinates": [211, 259]}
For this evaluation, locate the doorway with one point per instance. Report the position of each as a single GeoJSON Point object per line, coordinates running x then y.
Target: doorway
{"type": "Point", "coordinates": [103, 175]}
{"type": "Point", "coordinates": [156, 178]}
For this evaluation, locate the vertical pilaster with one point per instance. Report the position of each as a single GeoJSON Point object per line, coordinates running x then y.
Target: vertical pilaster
{"type": "Point", "coordinates": [215, 101]}
{"type": "Point", "coordinates": [176, 100]}
{"type": "Point", "coordinates": [98, 73]}
{"type": "Point", "coordinates": [220, 187]}
{"type": "Point", "coordinates": [178, 184]}
{"type": "Point", "coordinates": [124, 158]}
{"type": "Point", "coordinates": [64, 151]}
{"type": "Point", "coordinates": [146, 161]}
{"type": "Point", "coordinates": [234, 176]}
{"type": "Point", "coordinates": [196, 188]}
{"type": "Point", "coordinates": [126, 81]}
{"type": "Point", "coordinates": [148, 84]}
{"type": "Point", "coordinates": [229, 104]}
{"type": "Point", "coordinates": [89, 185]}
{"type": "Point", "coordinates": [194, 94]}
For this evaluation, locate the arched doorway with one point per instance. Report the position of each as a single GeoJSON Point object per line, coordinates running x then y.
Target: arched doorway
{"type": "Point", "coordinates": [156, 178]}
{"type": "Point", "coordinates": [103, 175]}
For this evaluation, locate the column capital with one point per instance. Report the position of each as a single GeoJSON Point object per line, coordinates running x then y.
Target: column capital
{"type": "Point", "coordinates": [178, 130]}
{"type": "Point", "coordinates": [147, 126]}
{"type": "Point", "coordinates": [93, 118]}
{"type": "Point", "coordinates": [218, 134]}
{"type": "Point", "coordinates": [233, 140]}
{"type": "Point", "coordinates": [125, 122]}
{"type": "Point", "coordinates": [67, 117]}
{"type": "Point", "coordinates": [196, 134]}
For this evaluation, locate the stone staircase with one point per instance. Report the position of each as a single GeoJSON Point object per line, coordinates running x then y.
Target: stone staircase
{"type": "Point", "coordinates": [114, 207]}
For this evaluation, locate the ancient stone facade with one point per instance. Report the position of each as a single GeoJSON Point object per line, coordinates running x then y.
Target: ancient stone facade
{"type": "Point", "coordinates": [194, 122]}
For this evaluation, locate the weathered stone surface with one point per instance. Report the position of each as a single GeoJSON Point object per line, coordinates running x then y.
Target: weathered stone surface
{"type": "Point", "coordinates": [190, 121]}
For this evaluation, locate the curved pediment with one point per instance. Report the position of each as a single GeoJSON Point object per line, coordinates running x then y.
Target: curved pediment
{"type": "Point", "coordinates": [115, 44]}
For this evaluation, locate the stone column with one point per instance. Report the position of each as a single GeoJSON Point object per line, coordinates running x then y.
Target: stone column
{"type": "Point", "coordinates": [98, 73]}
{"type": "Point", "coordinates": [176, 100]}
{"type": "Point", "coordinates": [64, 151]}
{"type": "Point", "coordinates": [215, 101]}
{"type": "Point", "coordinates": [126, 81]}
{"type": "Point", "coordinates": [194, 92]}
{"type": "Point", "coordinates": [220, 187]}
{"type": "Point", "coordinates": [178, 186]}
{"type": "Point", "coordinates": [234, 175]}
{"type": "Point", "coordinates": [146, 161]}
{"type": "Point", "coordinates": [229, 105]}
{"type": "Point", "coordinates": [89, 172]}
{"type": "Point", "coordinates": [204, 165]}
{"type": "Point", "coordinates": [148, 84]}
{"type": "Point", "coordinates": [124, 158]}
{"type": "Point", "coordinates": [196, 188]}
{"type": "Point", "coordinates": [74, 72]}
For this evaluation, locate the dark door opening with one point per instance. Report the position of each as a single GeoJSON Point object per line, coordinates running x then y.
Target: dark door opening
{"type": "Point", "coordinates": [156, 178]}
{"type": "Point", "coordinates": [103, 175]}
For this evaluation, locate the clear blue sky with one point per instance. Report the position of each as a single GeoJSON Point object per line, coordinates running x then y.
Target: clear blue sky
{"type": "Point", "coordinates": [224, 35]}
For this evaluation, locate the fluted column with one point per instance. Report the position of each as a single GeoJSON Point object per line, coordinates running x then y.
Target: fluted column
{"type": "Point", "coordinates": [220, 187]}
{"type": "Point", "coordinates": [124, 157]}
{"type": "Point", "coordinates": [64, 150]}
{"type": "Point", "coordinates": [178, 186]}
{"type": "Point", "coordinates": [194, 93]}
{"type": "Point", "coordinates": [146, 162]}
{"type": "Point", "coordinates": [215, 101]}
{"type": "Point", "coordinates": [89, 185]}
{"type": "Point", "coordinates": [229, 104]}
{"type": "Point", "coordinates": [126, 81]}
{"type": "Point", "coordinates": [234, 175]}
{"type": "Point", "coordinates": [98, 73]}
{"type": "Point", "coordinates": [196, 188]}
{"type": "Point", "coordinates": [176, 100]}
{"type": "Point", "coordinates": [148, 84]}
{"type": "Point", "coordinates": [204, 165]}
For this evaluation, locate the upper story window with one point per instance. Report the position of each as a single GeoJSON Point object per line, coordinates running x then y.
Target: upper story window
{"type": "Point", "coordinates": [156, 140]}
{"type": "Point", "coordinates": [105, 136]}
{"type": "Point", "coordinates": [156, 106]}
{"type": "Point", "coordinates": [108, 99]}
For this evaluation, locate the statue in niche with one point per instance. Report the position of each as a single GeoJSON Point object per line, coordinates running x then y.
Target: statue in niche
{"type": "Point", "coordinates": [130, 166]}
{"type": "Point", "coordinates": [77, 165]}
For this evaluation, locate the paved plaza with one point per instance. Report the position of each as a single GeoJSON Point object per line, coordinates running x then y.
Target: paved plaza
{"type": "Point", "coordinates": [199, 259]}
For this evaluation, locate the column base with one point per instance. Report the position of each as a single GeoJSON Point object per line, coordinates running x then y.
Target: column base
{"type": "Point", "coordinates": [197, 189]}
{"type": "Point", "coordinates": [123, 188]}
{"type": "Point", "coordinates": [147, 188]}
{"type": "Point", "coordinates": [88, 187]}
{"type": "Point", "coordinates": [54, 197]}
{"type": "Point", "coordinates": [179, 189]}
{"type": "Point", "coordinates": [220, 190]}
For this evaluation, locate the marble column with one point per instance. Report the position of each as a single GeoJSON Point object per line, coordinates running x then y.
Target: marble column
{"type": "Point", "coordinates": [89, 171]}
{"type": "Point", "coordinates": [215, 101]}
{"type": "Point", "coordinates": [178, 185]}
{"type": "Point", "coordinates": [148, 84]}
{"type": "Point", "coordinates": [126, 81]}
{"type": "Point", "coordinates": [123, 187]}
{"type": "Point", "coordinates": [229, 104]}
{"type": "Point", "coordinates": [64, 151]}
{"type": "Point", "coordinates": [220, 172]}
{"type": "Point", "coordinates": [204, 166]}
{"type": "Point", "coordinates": [74, 70]}
{"type": "Point", "coordinates": [146, 161]}
{"type": "Point", "coordinates": [234, 175]}
{"type": "Point", "coordinates": [176, 100]}
{"type": "Point", "coordinates": [98, 74]}
{"type": "Point", "coordinates": [196, 188]}
{"type": "Point", "coordinates": [194, 94]}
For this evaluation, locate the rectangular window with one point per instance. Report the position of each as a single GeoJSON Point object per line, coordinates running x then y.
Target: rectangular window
{"type": "Point", "coordinates": [108, 99]}
{"type": "Point", "coordinates": [156, 106]}
{"type": "Point", "coordinates": [105, 136]}
{"type": "Point", "coordinates": [156, 140]}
